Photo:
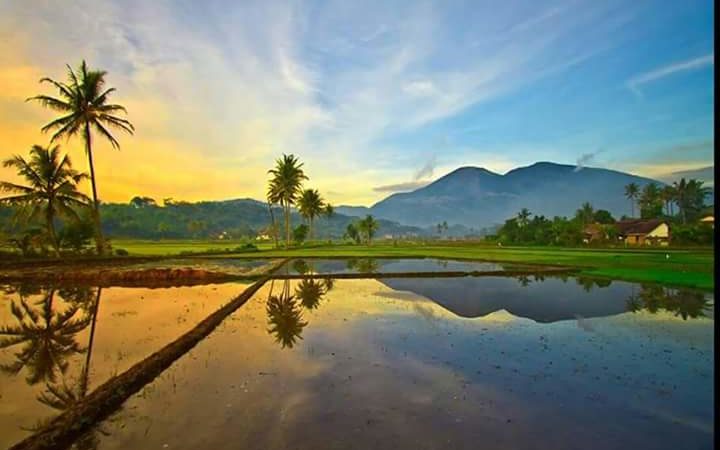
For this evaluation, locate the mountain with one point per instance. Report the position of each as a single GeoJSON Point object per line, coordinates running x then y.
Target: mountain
{"type": "Point", "coordinates": [477, 197]}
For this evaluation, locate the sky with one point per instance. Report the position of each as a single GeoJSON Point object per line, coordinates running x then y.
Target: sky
{"type": "Point", "coordinates": [374, 97]}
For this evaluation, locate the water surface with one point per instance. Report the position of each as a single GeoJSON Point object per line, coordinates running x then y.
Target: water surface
{"type": "Point", "coordinates": [56, 345]}
{"type": "Point", "coordinates": [381, 265]}
{"type": "Point", "coordinates": [464, 363]}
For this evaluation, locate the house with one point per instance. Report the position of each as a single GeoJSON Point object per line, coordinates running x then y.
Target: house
{"type": "Point", "coordinates": [709, 219]}
{"type": "Point", "coordinates": [644, 232]}
{"type": "Point", "coordinates": [594, 232]}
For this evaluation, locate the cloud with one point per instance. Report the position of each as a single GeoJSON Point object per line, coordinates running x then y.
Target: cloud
{"type": "Point", "coordinates": [584, 159]}
{"type": "Point", "coordinates": [692, 64]}
{"type": "Point", "coordinates": [705, 174]}
{"type": "Point", "coordinates": [401, 187]}
{"type": "Point", "coordinates": [427, 170]}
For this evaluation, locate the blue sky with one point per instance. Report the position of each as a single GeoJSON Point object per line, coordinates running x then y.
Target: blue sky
{"type": "Point", "coordinates": [373, 96]}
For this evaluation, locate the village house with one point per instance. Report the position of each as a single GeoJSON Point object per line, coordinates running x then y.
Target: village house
{"type": "Point", "coordinates": [644, 232]}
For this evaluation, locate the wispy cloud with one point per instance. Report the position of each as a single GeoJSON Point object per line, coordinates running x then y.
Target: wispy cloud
{"type": "Point", "coordinates": [692, 64]}
{"type": "Point", "coordinates": [401, 187]}
{"type": "Point", "coordinates": [585, 159]}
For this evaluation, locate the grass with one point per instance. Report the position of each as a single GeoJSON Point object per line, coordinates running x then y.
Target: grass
{"type": "Point", "coordinates": [679, 267]}
{"type": "Point", "coordinates": [175, 247]}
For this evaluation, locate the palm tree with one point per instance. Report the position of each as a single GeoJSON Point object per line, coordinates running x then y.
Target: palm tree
{"type": "Point", "coordinates": [632, 191]}
{"type": "Point", "coordinates": [650, 201]}
{"type": "Point", "coordinates": [586, 213]}
{"type": "Point", "coordinates": [311, 205]}
{"type": "Point", "coordinates": [690, 196]}
{"type": "Point", "coordinates": [270, 201]}
{"type": "Point", "coordinates": [51, 190]}
{"type": "Point", "coordinates": [84, 104]}
{"type": "Point", "coordinates": [523, 216]}
{"type": "Point", "coordinates": [285, 186]}
{"type": "Point", "coordinates": [48, 336]}
{"type": "Point", "coordinates": [369, 226]}
{"type": "Point", "coordinates": [668, 195]}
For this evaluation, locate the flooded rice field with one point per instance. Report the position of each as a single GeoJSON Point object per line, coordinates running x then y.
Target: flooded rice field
{"type": "Point", "coordinates": [390, 265]}
{"type": "Point", "coordinates": [56, 345]}
{"type": "Point", "coordinates": [487, 362]}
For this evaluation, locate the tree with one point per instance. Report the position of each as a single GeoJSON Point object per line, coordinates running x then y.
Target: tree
{"type": "Point", "coordinates": [651, 204]}
{"type": "Point", "coordinates": [585, 214]}
{"type": "Point", "coordinates": [668, 196]}
{"type": "Point", "coordinates": [523, 217]}
{"type": "Point", "coordinates": [51, 190]}
{"type": "Point", "coordinates": [603, 216]}
{"type": "Point", "coordinates": [352, 232]}
{"type": "Point", "coordinates": [272, 198]}
{"type": "Point", "coordinates": [369, 227]}
{"type": "Point", "coordinates": [300, 233]}
{"type": "Point", "coordinates": [84, 105]}
{"type": "Point", "coordinates": [690, 197]}
{"type": "Point", "coordinates": [631, 193]}
{"type": "Point", "coordinates": [142, 202]}
{"type": "Point", "coordinates": [285, 186]}
{"type": "Point", "coordinates": [310, 205]}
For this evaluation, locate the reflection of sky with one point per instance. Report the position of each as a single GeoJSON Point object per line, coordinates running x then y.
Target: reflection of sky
{"type": "Point", "coordinates": [380, 371]}
{"type": "Point", "coordinates": [131, 324]}
{"type": "Point", "coordinates": [337, 266]}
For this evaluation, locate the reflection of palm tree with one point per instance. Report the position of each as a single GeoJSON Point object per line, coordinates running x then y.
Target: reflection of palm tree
{"type": "Point", "coordinates": [366, 265]}
{"type": "Point", "coordinates": [329, 284]}
{"type": "Point", "coordinates": [586, 283]}
{"type": "Point", "coordinates": [284, 317]}
{"type": "Point", "coordinates": [524, 280]}
{"type": "Point", "coordinates": [685, 303]}
{"type": "Point", "coordinates": [310, 291]}
{"type": "Point", "coordinates": [61, 396]}
{"type": "Point", "coordinates": [300, 266]}
{"type": "Point", "coordinates": [48, 335]}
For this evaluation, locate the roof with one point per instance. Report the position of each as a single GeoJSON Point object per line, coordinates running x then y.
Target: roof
{"type": "Point", "coordinates": [638, 226]}
{"type": "Point", "coordinates": [708, 218]}
{"type": "Point", "coordinates": [593, 229]}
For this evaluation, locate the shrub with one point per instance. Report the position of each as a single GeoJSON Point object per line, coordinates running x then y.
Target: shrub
{"type": "Point", "coordinates": [121, 252]}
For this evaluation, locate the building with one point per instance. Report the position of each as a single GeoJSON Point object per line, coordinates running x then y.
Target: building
{"type": "Point", "coordinates": [594, 232]}
{"type": "Point", "coordinates": [709, 219]}
{"type": "Point", "coordinates": [644, 232]}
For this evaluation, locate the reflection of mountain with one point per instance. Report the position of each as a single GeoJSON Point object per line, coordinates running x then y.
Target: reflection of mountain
{"type": "Point", "coordinates": [548, 301]}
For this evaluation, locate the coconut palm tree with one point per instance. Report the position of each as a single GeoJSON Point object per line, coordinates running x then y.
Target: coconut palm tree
{"type": "Point", "coordinates": [310, 205]}
{"type": "Point", "coordinates": [632, 191]}
{"type": "Point", "coordinates": [690, 197]}
{"type": "Point", "coordinates": [369, 227]}
{"type": "Point", "coordinates": [51, 189]}
{"type": "Point", "coordinates": [84, 106]}
{"type": "Point", "coordinates": [271, 200]}
{"type": "Point", "coordinates": [285, 186]}
{"type": "Point", "coordinates": [668, 195]}
{"type": "Point", "coordinates": [48, 336]}
{"type": "Point", "coordinates": [651, 203]}
{"type": "Point", "coordinates": [523, 217]}
{"type": "Point", "coordinates": [586, 213]}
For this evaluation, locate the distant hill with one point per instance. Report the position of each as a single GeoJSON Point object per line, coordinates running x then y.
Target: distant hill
{"type": "Point", "coordinates": [207, 219]}
{"type": "Point", "coordinates": [476, 197]}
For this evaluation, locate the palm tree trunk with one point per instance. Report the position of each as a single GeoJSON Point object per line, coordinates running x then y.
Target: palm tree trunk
{"type": "Point", "coordinates": [287, 226]}
{"type": "Point", "coordinates": [99, 241]}
{"type": "Point", "coordinates": [274, 226]}
{"type": "Point", "coordinates": [51, 231]}
{"type": "Point", "coordinates": [632, 207]}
